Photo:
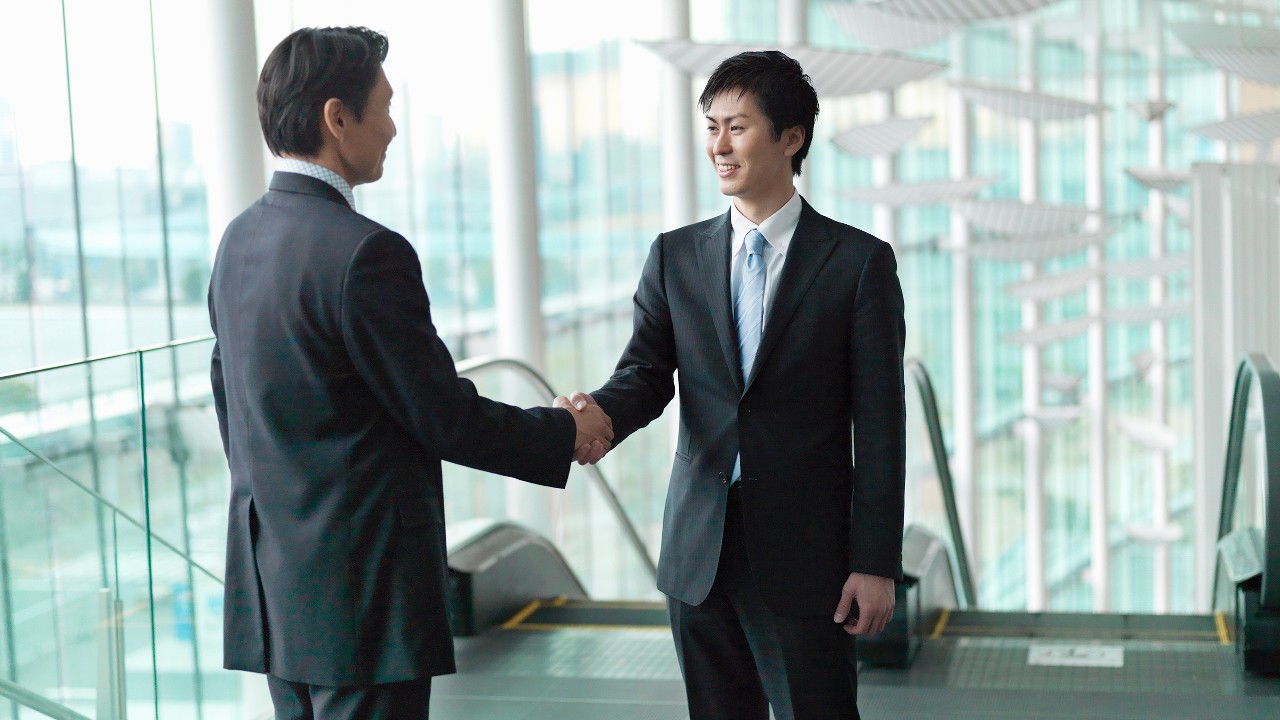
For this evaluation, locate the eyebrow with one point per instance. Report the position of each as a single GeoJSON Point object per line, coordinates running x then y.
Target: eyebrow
{"type": "Point", "coordinates": [727, 118]}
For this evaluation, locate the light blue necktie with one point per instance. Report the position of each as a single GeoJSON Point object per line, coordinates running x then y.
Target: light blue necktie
{"type": "Point", "coordinates": [748, 309]}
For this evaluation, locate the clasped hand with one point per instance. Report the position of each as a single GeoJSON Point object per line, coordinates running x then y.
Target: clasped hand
{"type": "Point", "coordinates": [595, 429]}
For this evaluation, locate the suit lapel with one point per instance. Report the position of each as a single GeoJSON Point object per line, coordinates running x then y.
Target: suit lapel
{"type": "Point", "coordinates": [810, 247]}
{"type": "Point", "coordinates": [713, 269]}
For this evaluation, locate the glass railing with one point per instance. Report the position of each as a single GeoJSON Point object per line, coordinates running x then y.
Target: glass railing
{"type": "Point", "coordinates": [113, 497]}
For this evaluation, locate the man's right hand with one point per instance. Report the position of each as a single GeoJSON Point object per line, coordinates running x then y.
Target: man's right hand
{"type": "Point", "coordinates": [590, 447]}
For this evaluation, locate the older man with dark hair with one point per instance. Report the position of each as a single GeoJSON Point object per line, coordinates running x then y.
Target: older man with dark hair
{"type": "Point", "coordinates": [337, 402]}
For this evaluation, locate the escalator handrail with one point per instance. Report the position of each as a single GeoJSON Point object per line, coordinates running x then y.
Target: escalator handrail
{"type": "Point", "coordinates": [104, 502]}
{"type": "Point", "coordinates": [37, 702]}
{"type": "Point", "coordinates": [1255, 365]}
{"type": "Point", "coordinates": [528, 372]}
{"type": "Point", "coordinates": [929, 402]}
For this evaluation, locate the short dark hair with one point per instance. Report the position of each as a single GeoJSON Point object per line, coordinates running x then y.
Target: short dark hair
{"type": "Point", "coordinates": [304, 71]}
{"type": "Point", "coordinates": [782, 91]}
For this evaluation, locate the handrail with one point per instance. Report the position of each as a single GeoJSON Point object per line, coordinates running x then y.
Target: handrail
{"type": "Point", "coordinates": [479, 364]}
{"type": "Point", "coordinates": [108, 356]}
{"type": "Point", "coordinates": [1255, 365]}
{"type": "Point", "coordinates": [916, 369]}
{"type": "Point", "coordinates": [37, 702]}
{"type": "Point", "coordinates": [110, 505]}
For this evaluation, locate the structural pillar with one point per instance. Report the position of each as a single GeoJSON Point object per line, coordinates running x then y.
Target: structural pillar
{"type": "Point", "coordinates": [1096, 302]}
{"type": "Point", "coordinates": [235, 167]}
{"type": "Point", "coordinates": [1033, 431]}
{"type": "Point", "coordinates": [679, 190]}
{"type": "Point", "coordinates": [793, 31]}
{"type": "Point", "coordinates": [517, 266]}
{"type": "Point", "coordinates": [964, 377]}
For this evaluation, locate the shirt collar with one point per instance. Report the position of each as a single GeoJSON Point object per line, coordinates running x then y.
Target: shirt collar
{"type": "Point", "coordinates": [302, 167]}
{"type": "Point", "coordinates": [778, 228]}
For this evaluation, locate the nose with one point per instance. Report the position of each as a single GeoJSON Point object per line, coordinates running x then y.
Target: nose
{"type": "Point", "coordinates": [720, 142]}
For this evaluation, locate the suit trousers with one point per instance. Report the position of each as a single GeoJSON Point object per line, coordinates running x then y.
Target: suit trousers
{"type": "Point", "coordinates": [739, 658]}
{"type": "Point", "coordinates": [409, 700]}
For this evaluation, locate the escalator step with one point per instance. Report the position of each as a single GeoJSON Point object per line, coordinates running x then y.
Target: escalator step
{"type": "Point", "coordinates": [560, 613]}
{"type": "Point", "coordinates": [1102, 626]}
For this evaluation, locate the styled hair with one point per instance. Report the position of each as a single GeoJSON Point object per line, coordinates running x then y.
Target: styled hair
{"type": "Point", "coordinates": [304, 71]}
{"type": "Point", "coordinates": [781, 90]}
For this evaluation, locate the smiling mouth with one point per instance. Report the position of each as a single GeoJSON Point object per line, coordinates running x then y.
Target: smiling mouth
{"type": "Point", "coordinates": [726, 169]}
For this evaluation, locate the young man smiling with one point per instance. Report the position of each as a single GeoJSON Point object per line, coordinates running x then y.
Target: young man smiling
{"type": "Point", "coordinates": [787, 329]}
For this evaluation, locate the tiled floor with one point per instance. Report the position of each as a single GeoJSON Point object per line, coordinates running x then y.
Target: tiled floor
{"type": "Point", "coordinates": [602, 674]}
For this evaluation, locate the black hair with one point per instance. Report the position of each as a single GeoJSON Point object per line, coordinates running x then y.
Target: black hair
{"type": "Point", "coordinates": [781, 89]}
{"type": "Point", "coordinates": [304, 71]}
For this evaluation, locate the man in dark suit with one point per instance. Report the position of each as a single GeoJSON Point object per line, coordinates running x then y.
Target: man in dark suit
{"type": "Point", "coordinates": [337, 402]}
{"type": "Point", "coordinates": [787, 330]}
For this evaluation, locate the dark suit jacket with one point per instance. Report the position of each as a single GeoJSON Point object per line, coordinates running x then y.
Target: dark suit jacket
{"type": "Point", "coordinates": [337, 402]}
{"type": "Point", "coordinates": [827, 381]}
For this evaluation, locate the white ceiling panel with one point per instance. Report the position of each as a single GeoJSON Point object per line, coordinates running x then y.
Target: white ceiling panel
{"type": "Point", "coordinates": [886, 30]}
{"type": "Point", "coordinates": [1159, 179]}
{"type": "Point", "coordinates": [960, 10]}
{"type": "Point", "coordinates": [882, 138]}
{"type": "Point", "coordinates": [926, 193]}
{"type": "Point", "coordinates": [835, 73]}
{"type": "Point", "coordinates": [1014, 217]}
{"type": "Point", "coordinates": [1025, 104]}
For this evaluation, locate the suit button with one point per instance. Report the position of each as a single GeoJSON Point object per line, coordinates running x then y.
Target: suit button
{"type": "Point", "coordinates": [724, 479]}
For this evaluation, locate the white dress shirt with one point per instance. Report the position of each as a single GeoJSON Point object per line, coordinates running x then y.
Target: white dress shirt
{"type": "Point", "coordinates": [778, 229]}
{"type": "Point", "coordinates": [302, 167]}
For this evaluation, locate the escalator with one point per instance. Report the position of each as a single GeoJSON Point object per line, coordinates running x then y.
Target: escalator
{"type": "Point", "coordinates": [556, 653]}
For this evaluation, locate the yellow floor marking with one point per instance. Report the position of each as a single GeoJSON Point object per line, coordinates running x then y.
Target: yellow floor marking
{"type": "Point", "coordinates": [942, 624]}
{"type": "Point", "coordinates": [520, 616]}
{"type": "Point", "coordinates": [1221, 621]}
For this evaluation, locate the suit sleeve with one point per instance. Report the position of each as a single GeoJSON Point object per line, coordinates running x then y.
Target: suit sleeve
{"type": "Point", "coordinates": [876, 341]}
{"type": "Point", "coordinates": [387, 327]}
{"type": "Point", "coordinates": [218, 383]}
{"type": "Point", "coordinates": [642, 384]}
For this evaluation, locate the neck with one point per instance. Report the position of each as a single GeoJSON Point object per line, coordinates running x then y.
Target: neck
{"type": "Point", "coordinates": [759, 209]}
{"type": "Point", "coordinates": [326, 160]}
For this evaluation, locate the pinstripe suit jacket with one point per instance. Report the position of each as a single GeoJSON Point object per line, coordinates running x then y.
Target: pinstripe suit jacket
{"type": "Point", "coordinates": [827, 381]}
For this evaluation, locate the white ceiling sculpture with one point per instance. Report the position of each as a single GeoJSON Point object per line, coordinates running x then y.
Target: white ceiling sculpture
{"type": "Point", "coordinates": [1260, 65]}
{"type": "Point", "coordinates": [1025, 104]}
{"type": "Point", "coordinates": [1260, 127]}
{"type": "Point", "coordinates": [1179, 207]}
{"type": "Point", "coordinates": [1064, 383]}
{"type": "Point", "coordinates": [1150, 109]}
{"type": "Point", "coordinates": [1053, 417]}
{"type": "Point", "coordinates": [1014, 217]}
{"type": "Point", "coordinates": [1045, 334]}
{"type": "Point", "coordinates": [1148, 433]}
{"type": "Point", "coordinates": [1047, 287]}
{"type": "Point", "coordinates": [1031, 250]}
{"type": "Point", "coordinates": [1143, 360]}
{"type": "Point", "coordinates": [960, 10]}
{"type": "Point", "coordinates": [891, 31]}
{"type": "Point", "coordinates": [882, 138]}
{"type": "Point", "coordinates": [1159, 179]}
{"type": "Point", "coordinates": [1137, 268]}
{"type": "Point", "coordinates": [834, 72]}
{"type": "Point", "coordinates": [1250, 52]}
{"type": "Point", "coordinates": [1152, 313]}
{"type": "Point", "coordinates": [925, 193]}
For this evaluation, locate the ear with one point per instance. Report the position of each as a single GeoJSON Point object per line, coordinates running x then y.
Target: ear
{"type": "Point", "coordinates": [793, 140]}
{"type": "Point", "coordinates": [335, 117]}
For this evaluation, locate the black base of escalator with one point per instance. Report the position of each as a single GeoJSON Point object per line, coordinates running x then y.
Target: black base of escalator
{"type": "Point", "coordinates": [561, 613]}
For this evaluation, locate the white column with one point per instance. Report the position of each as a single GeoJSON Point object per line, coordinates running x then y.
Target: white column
{"type": "Point", "coordinates": [1033, 438]}
{"type": "Point", "coordinates": [1157, 375]}
{"type": "Point", "coordinates": [884, 172]}
{"type": "Point", "coordinates": [679, 187]}
{"type": "Point", "coordinates": [517, 266]}
{"type": "Point", "coordinates": [679, 191]}
{"type": "Point", "coordinates": [235, 171]}
{"type": "Point", "coordinates": [1096, 301]}
{"type": "Point", "coordinates": [793, 31]}
{"type": "Point", "coordinates": [963, 348]}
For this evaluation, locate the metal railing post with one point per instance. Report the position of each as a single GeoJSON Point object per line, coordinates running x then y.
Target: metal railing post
{"type": "Point", "coordinates": [111, 674]}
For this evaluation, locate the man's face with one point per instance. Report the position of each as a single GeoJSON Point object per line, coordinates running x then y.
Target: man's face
{"type": "Point", "coordinates": [364, 145]}
{"type": "Point", "coordinates": [751, 164]}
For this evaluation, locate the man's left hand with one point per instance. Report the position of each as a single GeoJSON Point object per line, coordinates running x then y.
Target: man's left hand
{"type": "Point", "coordinates": [875, 598]}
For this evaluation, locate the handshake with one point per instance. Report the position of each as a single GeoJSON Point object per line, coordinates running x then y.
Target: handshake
{"type": "Point", "coordinates": [595, 429]}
